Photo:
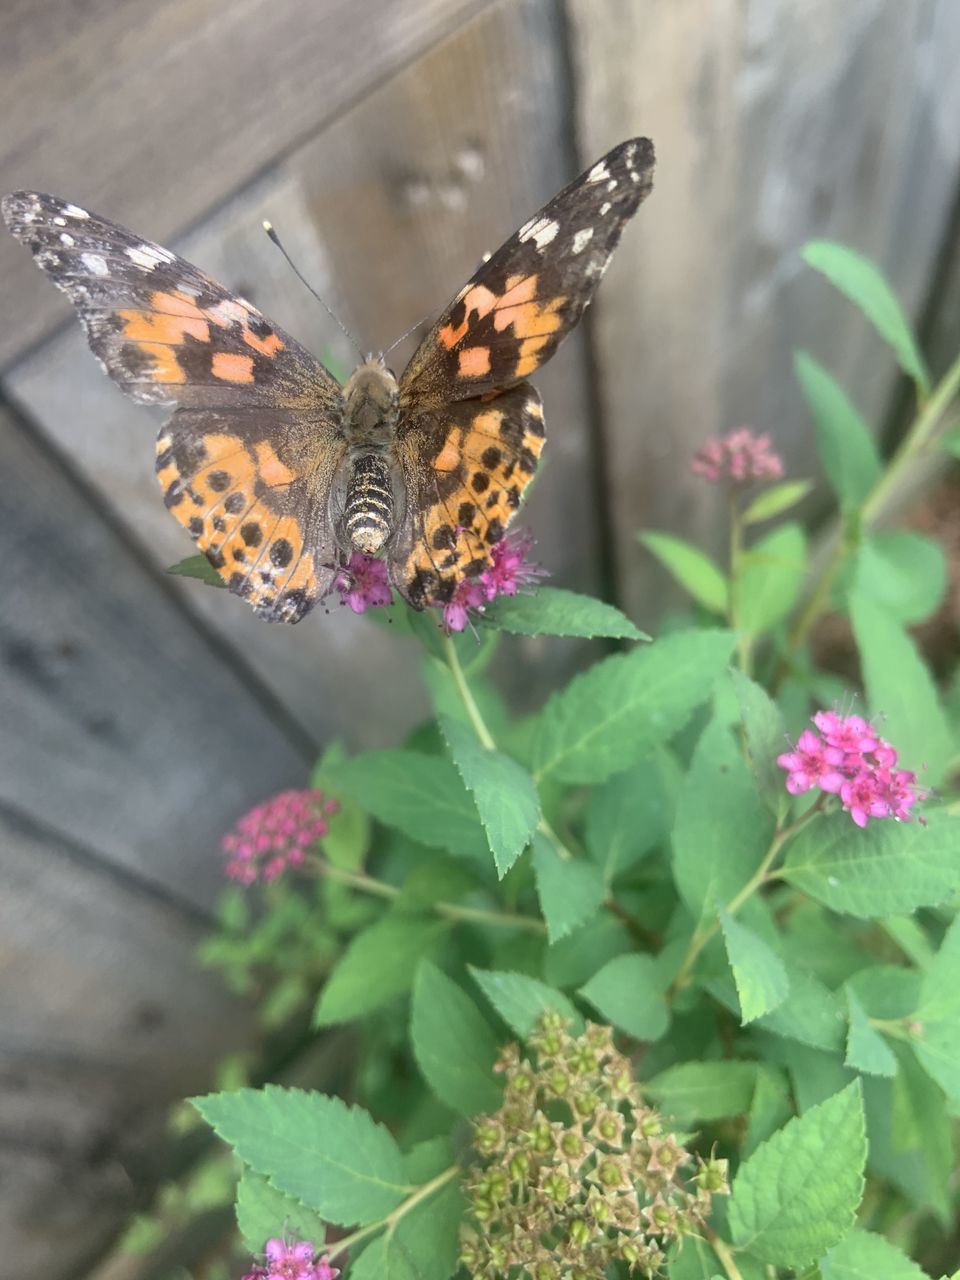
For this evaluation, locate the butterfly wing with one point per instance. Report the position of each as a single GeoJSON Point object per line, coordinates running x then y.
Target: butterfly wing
{"type": "Point", "coordinates": [247, 461]}
{"type": "Point", "coordinates": [522, 302]}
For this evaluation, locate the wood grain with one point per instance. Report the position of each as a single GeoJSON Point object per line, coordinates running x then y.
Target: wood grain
{"type": "Point", "coordinates": [774, 122]}
{"type": "Point", "coordinates": [119, 724]}
{"type": "Point", "coordinates": [104, 1018]}
{"type": "Point", "coordinates": [153, 112]}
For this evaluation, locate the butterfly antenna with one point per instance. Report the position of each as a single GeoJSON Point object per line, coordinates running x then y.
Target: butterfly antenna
{"type": "Point", "coordinates": [407, 334]}
{"type": "Point", "coordinates": [271, 232]}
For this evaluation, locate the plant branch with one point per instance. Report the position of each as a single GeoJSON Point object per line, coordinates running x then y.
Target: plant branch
{"type": "Point", "coordinates": [389, 1223]}
{"type": "Point", "coordinates": [725, 1254]}
{"type": "Point", "coordinates": [466, 696]}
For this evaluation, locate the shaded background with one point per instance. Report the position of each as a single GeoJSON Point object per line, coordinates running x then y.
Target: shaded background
{"type": "Point", "coordinates": [392, 144]}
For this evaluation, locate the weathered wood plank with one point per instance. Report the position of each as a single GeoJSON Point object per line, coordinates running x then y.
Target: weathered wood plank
{"type": "Point", "coordinates": [104, 1019]}
{"type": "Point", "coordinates": [153, 112]}
{"type": "Point", "coordinates": [774, 122]}
{"type": "Point", "coordinates": [388, 211]}
{"type": "Point", "coordinates": [120, 724]}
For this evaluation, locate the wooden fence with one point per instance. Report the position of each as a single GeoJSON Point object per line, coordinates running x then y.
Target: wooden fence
{"type": "Point", "coordinates": [392, 145]}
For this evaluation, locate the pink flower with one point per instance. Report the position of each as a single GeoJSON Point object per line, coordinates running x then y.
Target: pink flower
{"type": "Point", "coordinates": [292, 1262]}
{"type": "Point", "coordinates": [852, 760]}
{"type": "Point", "coordinates": [508, 571]}
{"type": "Point", "coordinates": [276, 835]}
{"type": "Point", "coordinates": [470, 594]}
{"type": "Point", "coordinates": [364, 584]}
{"type": "Point", "coordinates": [740, 456]}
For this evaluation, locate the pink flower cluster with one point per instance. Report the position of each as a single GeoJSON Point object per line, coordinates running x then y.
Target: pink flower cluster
{"type": "Point", "coordinates": [276, 835]}
{"type": "Point", "coordinates": [852, 761]}
{"type": "Point", "coordinates": [509, 571]}
{"type": "Point", "coordinates": [740, 456]}
{"type": "Point", "coordinates": [364, 584]}
{"type": "Point", "coordinates": [292, 1262]}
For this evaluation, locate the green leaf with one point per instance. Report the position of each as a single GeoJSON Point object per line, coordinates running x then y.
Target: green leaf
{"type": "Point", "coordinates": [521, 1001]}
{"type": "Point", "coordinates": [691, 567]}
{"type": "Point", "coordinates": [422, 1246]}
{"type": "Point", "coordinates": [502, 790]}
{"type": "Point", "coordinates": [863, 283]}
{"type": "Point", "coordinates": [723, 829]}
{"type": "Point", "coordinates": [903, 573]}
{"type": "Point", "coordinates": [865, 1256]}
{"type": "Point", "coordinates": [628, 992]}
{"type": "Point", "coordinates": [632, 813]}
{"type": "Point", "coordinates": [197, 567]}
{"type": "Point", "coordinates": [761, 979]}
{"type": "Point", "coordinates": [700, 1091]}
{"type": "Point", "coordinates": [264, 1212]}
{"type": "Point", "coordinates": [422, 796]}
{"type": "Point", "coordinates": [612, 715]}
{"type": "Point", "coordinates": [887, 868]}
{"type": "Point", "coordinates": [552, 611]}
{"type": "Point", "coordinates": [846, 447]}
{"type": "Point", "coordinates": [346, 843]}
{"type": "Point", "coordinates": [901, 690]}
{"type": "Point", "coordinates": [770, 1107]}
{"type": "Point", "coordinates": [811, 1012]}
{"type": "Point", "coordinates": [766, 736]}
{"type": "Point", "coordinates": [937, 1040]}
{"type": "Point", "coordinates": [796, 1196]}
{"type": "Point", "coordinates": [866, 1048]}
{"type": "Point", "coordinates": [571, 961]}
{"type": "Point", "coordinates": [331, 1157]}
{"type": "Point", "coordinates": [570, 890]}
{"type": "Point", "coordinates": [773, 502]}
{"type": "Point", "coordinates": [377, 966]}
{"type": "Point", "coordinates": [453, 1044]}
{"type": "Point", "coordinates": [770, 580]}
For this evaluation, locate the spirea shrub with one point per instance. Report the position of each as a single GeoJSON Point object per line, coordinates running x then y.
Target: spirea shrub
{"type": "Point", "coordinates": [664, 979]}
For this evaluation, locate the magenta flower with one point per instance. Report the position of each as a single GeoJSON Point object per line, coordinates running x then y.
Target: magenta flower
{"type": "Point", "coordinates": [851, 760]}
{"type": "Point", "coordinates": [740, 456]}
{"type": "Point", "coordinates": [364, 584]}
{"type": "Point", "coordinates": [508, 571]}
{"type": "Point", "coordinates": [292, 1262]}
{"type": "Point", "coordinates": [276, 835]}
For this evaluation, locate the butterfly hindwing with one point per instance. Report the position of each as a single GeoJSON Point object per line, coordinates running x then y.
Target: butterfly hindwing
{"type": "Point", "coordinates": [465, 469]}
{"type": "Point", "coordinates": [247, 461]}
{"type": "Point", "coordinates": [522, 302]}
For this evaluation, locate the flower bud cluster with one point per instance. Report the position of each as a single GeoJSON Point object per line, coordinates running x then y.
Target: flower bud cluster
{"type": "Point", "coordinates": [574, 1172]}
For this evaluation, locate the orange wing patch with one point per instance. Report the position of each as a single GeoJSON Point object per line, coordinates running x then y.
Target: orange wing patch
{"type": "Point", "coordinates": [232, 368]}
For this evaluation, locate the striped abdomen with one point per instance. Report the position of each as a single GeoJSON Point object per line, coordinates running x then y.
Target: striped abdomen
{"type": "Point", "coordinates": [369, 510]}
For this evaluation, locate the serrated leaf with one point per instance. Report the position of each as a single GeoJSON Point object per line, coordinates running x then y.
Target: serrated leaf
{"type": "Point", "coordinates": [864, 1256]}
{"type": "Point", "coordinates": [936, 1041]}
{"type": "Point", "coordinates": [797, 1195]}
{"type": "Point", "coordinates": [691, 567]}
{"type": "Point", "coordinates": [331, 1157]}
{"type": "Point", "coordinates": [628, 992]}
{"type": "Point", "coordinates": [264, 1212]}
{"type": "Point", "coordinates": [701, 1091]}
{"type": "Point", "coordinates": [866, 1048]}
{"type": "Point", "coordinates": [570, 890]}
{"type": "Point", "coordinates": [502, 790]}
{"type": "Point", "coordinates": [422, 796]}
{"type": "Point", "coordinates": [811, 1012]}
{"type": "Point", "coordinates": [552, 611]}
{"type": "Point", "coordinates": [901, 690]}
{"type": "Point", "coordinates": [453, 1044]}
{"type": "Point", "coordinates": [629, 815]}
{"type": "Point", "coordinates": [377, 966]}
{"type": "Point", "coordinates": [522, 1001]}
{"type": "Point", "coordinates": [770, 1107]}
{"type": "Point", "coordinates": [876, 872]}
{"type": "Point", "coordinates": [846, 447]}
{"type": "Point", "coordinates": [774, 501]}
{"type": "Point", "coordinates": [903, 573]}
{"type": "Point", "coordinates": [722, 828]}
{"type": "Point", "coordinates": [761, 979]}
{"type": "Point", "coordinates": [197, 567]}
{"type": "Point", "coordinates": [612, 715]}
{"type": "Point", "coordinates": [766, 737]}
{"type": "Point", "coordinates": [864, 284]}
{"type": "Point", "coordinates": [422, 1245]}
{"type": "Point", "coordinates": [771, 575]}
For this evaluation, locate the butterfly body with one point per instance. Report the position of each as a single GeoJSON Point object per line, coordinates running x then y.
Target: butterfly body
{"type": "Point", "coordinates": [277, 471]}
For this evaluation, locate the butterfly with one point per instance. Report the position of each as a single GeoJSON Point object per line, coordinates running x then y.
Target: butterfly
{"type": "Point", "coordinates": [280, 473]}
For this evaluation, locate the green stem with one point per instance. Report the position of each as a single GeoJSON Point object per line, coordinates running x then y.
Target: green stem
{"type": "Point", "coordinates": [736, 560]}
{"type": "Point", "coordinates": [449, 910]}
{"type": "Point", "coordinates": [918, 438]}
{"type": "Point", "coordinates": [390, 1221]}
{"type": "Point", "coordinates": [466, 697]}
{"type": "Point", "coordinates": [725, 1254]}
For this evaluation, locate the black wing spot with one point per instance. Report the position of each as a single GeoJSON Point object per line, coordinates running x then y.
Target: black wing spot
{"type": "Point", "coordinates": [480, 482]}
{"type": "Point", "coordinates": [251, 533]}
{"type": "Point", "coordinates": [234, 504]}
{"type": "Point", "coordinates": [195, 526]}
{"type": "Point", "coordinates": [218, 481]}
{"type": "Point", "coordinates": [281, 553]}
{"type": "Point", "coordinates": [443, 538]}
{"type": "Point", "coordinates": [491, 458]}
{"type": "Point", "coordinates": [465, 514]}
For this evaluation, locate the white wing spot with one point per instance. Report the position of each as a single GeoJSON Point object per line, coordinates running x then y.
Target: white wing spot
{"type": "Point", "coordinates": [67, 239]}
{"type": "Point", "coordinates": [95, 264]}
{"type": "Point", "coordinates": [634, 176]}
{"type": "Point", "coordinates": [582, 239]}
{"type": "Point", "coordinates": [605, 207]}
{"type": "Point", "coordinates": [612, 184]}
{"type": "Point", "coordinates": [59, 222]}
{"type": "Point", "coordinates": [524, 232]}
{"type": "Point", "coordinates": [145, 260]}
{"type": "Point", "coordinates": [230, 311]}
{"type": "Point", "coordinates": [598, 172]}
{"type": "Point", "coordinates": [542, 230]}
{"type": "Point", "coordinates": [74, 211]}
